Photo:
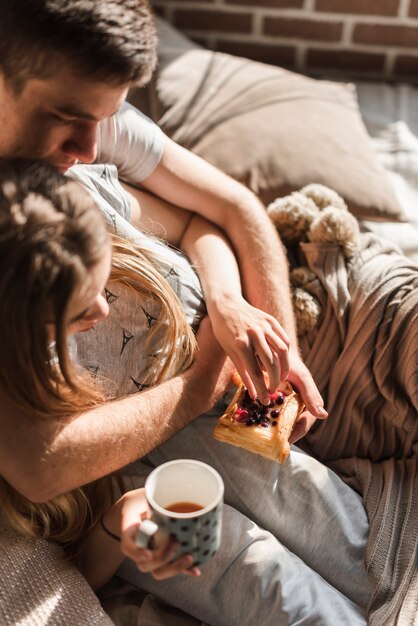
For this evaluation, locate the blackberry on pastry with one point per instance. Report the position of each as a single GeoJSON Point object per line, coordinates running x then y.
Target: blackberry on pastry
{"type": "Point", "coordinates": [264, 430]}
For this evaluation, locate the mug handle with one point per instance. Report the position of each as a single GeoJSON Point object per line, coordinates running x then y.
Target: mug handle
{"type": "Point", "coordinates": [146, 532]}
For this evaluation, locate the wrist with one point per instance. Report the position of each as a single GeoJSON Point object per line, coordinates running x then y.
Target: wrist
{"type": "Point", "coordinates": [294, 351]}
{"type": "Point", "coordinates": [223, 302]}
{"type": "Point", "coordinates": [110, 520]}
{"type": "Point", "coordinates": [195, 391]}
{"type": "Point", "coordinates": [202, 388]}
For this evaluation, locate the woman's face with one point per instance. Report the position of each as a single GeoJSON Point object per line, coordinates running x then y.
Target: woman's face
{"type": "Point", "coordinates": [89, 305]}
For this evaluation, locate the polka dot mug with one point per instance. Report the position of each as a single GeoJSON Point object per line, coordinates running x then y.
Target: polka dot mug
{"type": "Point", "coordinates": [185, 497]}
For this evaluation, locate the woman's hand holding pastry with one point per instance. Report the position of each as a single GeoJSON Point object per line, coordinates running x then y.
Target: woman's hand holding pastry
{"type": "Point", "coordinates": [256, 343]}
{"type": "Point", "coordinates": [260, 350]}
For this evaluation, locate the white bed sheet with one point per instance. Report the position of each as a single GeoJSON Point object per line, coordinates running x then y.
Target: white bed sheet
{"type": "Point", "coordinates": [390, 112]}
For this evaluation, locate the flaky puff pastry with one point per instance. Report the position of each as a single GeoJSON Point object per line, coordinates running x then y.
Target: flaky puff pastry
{"type": "Point", "coordinates": [270, 441]}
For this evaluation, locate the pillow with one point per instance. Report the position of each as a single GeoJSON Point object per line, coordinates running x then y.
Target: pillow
{"type": "Point", "coordinates": [274, 130]}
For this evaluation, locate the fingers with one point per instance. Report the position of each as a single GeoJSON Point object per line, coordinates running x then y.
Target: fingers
{"type": "Point", "coordinates": [159, 563]}
{"type": "Point", "coordinates": [272, 353]}
{"type": "Point", "coordinates": [302, 380]}
{"type": "Point", "coordinates": [181, 566]}
{"type": "Point", "coordinates": [305, 385]}
{"type": "Point", "coordinates": [262, 361]}
{"type": "Point", "coordinates": [253, 377]}
{"type": "Point", "coordinates": [302, 426]}
{"type": "Point", "coordinates": [247, 380]}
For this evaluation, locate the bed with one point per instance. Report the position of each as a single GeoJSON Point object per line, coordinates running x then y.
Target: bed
{"type": "Point", "coordinates": [277, 131]}
{"type": "Point", "coordinates": [367, 150]}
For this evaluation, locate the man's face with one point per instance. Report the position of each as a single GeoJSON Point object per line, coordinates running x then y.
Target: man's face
{"type": "Point", "coordinates": [56, 119]}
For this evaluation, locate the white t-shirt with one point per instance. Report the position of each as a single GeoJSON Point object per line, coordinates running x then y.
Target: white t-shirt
{"type": "Point", "coordinates": [129, 146]}
{"type": "Point", "coordinates": [131, 141]}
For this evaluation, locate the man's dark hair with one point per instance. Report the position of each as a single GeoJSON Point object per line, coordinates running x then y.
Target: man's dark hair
{"type": "Point", "coordinates": [109, 40]}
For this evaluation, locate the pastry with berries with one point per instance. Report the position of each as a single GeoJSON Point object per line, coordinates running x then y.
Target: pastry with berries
{"type": "Point", "coordinates": [264, 430]}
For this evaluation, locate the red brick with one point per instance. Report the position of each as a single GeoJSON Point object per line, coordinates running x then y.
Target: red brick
{"type": "Point", "coordinates": [365, 7]}
{"type": "Point", "coordinates": [159, 10]}
{"type": "Point", "coordinates": [382, 35]}
{"type": "Point", "coordinates": [166, 3]}
{"type": "Point", "coordinates": [303, 29]}
{"type": "Point", "coordinates": [276, 55]}
{"type": "Point", "coordinates": [196, 19]}
{"type": "Point", "coordinates": [406, 66]}
{"type": "Point", "coordinates": [413, 8]}
{"type": "Point", "coordinates": [345, 60]}
{"type": "Point", "coordinates": [278, 4]}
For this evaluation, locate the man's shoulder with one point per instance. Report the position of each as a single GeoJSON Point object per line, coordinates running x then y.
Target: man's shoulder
{"type": "Point", "coordinates": [127, 116]}
{"type": "Point", "coordinates": [131, 141]}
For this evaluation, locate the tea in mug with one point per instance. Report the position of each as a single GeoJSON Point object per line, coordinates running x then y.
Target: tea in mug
{"type": "Point", "coordinates": [183, 507]}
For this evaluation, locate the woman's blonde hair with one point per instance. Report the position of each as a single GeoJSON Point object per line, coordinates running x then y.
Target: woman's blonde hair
{"type": "Point", "coordinates": [51, 235]}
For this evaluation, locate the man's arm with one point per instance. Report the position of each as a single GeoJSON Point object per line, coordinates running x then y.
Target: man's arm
{"type": "Point", "coordinates": [45, 458]}
{"type": "Point", "coordinates": [187, 181]}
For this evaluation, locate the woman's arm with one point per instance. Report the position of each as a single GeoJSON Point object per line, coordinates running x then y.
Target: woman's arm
{"type": "Point", "coordinates": [241, 329]}
{"type": "Point", "coordinates": [248, 335]}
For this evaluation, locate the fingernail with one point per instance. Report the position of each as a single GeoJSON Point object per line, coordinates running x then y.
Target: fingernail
{"type": "Point", "coordinates": [195, 571]}
{"type": "Point", "coordinates": [321, 411]}
{"type": "Point", "coordinates": [144, 556]}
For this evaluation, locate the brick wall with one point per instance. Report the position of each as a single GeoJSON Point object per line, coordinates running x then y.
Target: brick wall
{"type": "Point", "coordinates": [354, 38]}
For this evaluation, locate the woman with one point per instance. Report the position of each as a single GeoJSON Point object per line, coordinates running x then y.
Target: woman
{"type": "Point", "coordinates": [56, 253]}
{"type": "Point", "coordinates": [55, 244]}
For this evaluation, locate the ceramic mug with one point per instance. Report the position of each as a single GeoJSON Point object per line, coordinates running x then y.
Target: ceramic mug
{"type": "Point", "coordinates": [185, 498]}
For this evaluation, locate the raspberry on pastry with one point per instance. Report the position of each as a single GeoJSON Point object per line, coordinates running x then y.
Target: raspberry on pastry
{"type": "Point", "coordinates": [264, 430]}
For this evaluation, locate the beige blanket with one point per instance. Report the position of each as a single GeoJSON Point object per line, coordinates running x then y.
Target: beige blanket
{"type": "Point", "coordinates": [364, 357]}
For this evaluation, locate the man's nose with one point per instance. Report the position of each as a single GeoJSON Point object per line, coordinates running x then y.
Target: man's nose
{"type": "Point", "coordinates": [82, 145]}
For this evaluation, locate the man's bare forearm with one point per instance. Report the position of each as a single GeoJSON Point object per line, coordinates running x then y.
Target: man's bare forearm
{"type": "Point", "coordinates": [262, 259]}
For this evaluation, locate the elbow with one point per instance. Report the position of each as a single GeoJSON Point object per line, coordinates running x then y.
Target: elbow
{"type": "Point", "coordinates": [37, 485]}
{"type": "Point", "coordinates": [43, 488]}
{"type": "Point", "coordinates": [39, 495]}
{"type": "Point", "coordinates": [35, 493]}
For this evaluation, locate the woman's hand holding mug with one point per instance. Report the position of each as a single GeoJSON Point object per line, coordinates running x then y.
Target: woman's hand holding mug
{"type": "Point", "coordinates": [180, 513]}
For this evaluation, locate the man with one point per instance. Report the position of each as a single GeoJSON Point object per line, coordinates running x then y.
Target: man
{"type": "Point", "coordinates": [54, 109]}
{"type": "Point", "coordinates": [65, 69]}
